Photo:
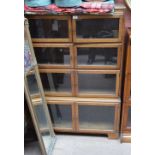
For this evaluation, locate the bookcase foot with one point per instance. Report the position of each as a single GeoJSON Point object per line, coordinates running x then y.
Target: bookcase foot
{"type": "Point", "coordinates": [126, 138]}
{"type": "Point", "coordinates": [113, 135]}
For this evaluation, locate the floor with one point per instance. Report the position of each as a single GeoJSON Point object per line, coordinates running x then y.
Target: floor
{"type": "Point", "coordinates": [83, 145]}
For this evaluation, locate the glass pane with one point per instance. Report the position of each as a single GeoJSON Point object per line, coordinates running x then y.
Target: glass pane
{"type": "Point", "coordinates": [48, 141]}
{"type": "Point", "coordinates": [97, 28]}
{"type": "Point", "coordinates": [129, 117]}
{"type": "Point", "coordinates": [61, 115]}
{"type": "Point", "coordinates": [96, 117]}
{"type": "Point", "coordinates": [40, 113]}
{"type": "Point", "coordinates": [97, 83]}
{"type": "Point", "coordinates": [56, 82]}
{"type": "Point", "coordinates": [49, 55]}
{"type": "Point", "coordinates": [97, 56]}
{"type": "Point", "coordinates": [32, 84]}
{"type": "Point", "coordinates": [48, 28]}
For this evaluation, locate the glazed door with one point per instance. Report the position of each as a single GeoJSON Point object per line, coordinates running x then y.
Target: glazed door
{"type": "Point", "coordinates": [98, 56]}
{"type": "Point", "coordinates": [97, 28]}
{"type": "Point", "coordinates": [62, 115]}
{"type": "Point", "coordinates": [57, 82]}
{"type": "Point", "coordinates": [50, 28]}
{"type": "Point", "coordinates": [97, 83]}
{"type": "Point", "coordinates": [97, 117]}
{"type": "Point", "coordinates": [54, 55]}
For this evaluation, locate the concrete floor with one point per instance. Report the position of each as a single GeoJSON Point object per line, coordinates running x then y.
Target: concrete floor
{"type": "Point", "coordinates": [83, 145]}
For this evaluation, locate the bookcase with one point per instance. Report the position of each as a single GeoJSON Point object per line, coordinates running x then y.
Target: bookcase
{"type": "Point", "coordinates": [80, 59]}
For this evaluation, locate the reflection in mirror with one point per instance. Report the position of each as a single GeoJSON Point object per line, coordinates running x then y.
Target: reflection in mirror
{"type": "Point", "coordinates": [129, 117]}
{"type": "Point", "coordinates": [32, 84]}
{"type": "Point", "coordinates": [97, 28]}
{"type": "Point", "coordinates": [48, 140]}
{"type": "Point", "coordinates": [61, 115]}
{"type": "Point", "coordinates": [96, 117]}
{"type": "Point", "coordinates": [97, 83]}
{"type": "Point", "coordinates": [97, 56]}
{"type": "Point", "coordinates": [48, 28]}
{"type": "Point", "coordinates": [49, 55]}
{"type": "Point", "coordinates": [40, 113]}
{"type": "Point", "coordinates": [56, 82]}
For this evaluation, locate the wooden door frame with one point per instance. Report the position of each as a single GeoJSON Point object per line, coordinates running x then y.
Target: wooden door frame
{"type": "Point", "coordinates": [116, 117]}
{"type": "Point", "coordinates": [99, 45]}
{"type": "Point", "coordinates": [86, 40]}
{"type": "Point", "coordinates": [70, 103]}
{"type": "Point", "coordinates": [70, 71]}
{"type": "Point", "coordinates": [57, 45]}
{"type": "Point", "coordinates": [117, 72]}
{"type": "Point", "coordinates": [68, 18]}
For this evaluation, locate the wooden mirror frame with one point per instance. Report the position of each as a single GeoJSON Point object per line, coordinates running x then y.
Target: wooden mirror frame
{"type": "Point", "coordinates": [128, 3]}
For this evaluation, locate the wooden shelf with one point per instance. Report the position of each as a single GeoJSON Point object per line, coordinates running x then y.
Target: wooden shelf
{"type": "Point", "coordinates": [36, 101]}
{"type": "Point", "coordinates": [96, 126]}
